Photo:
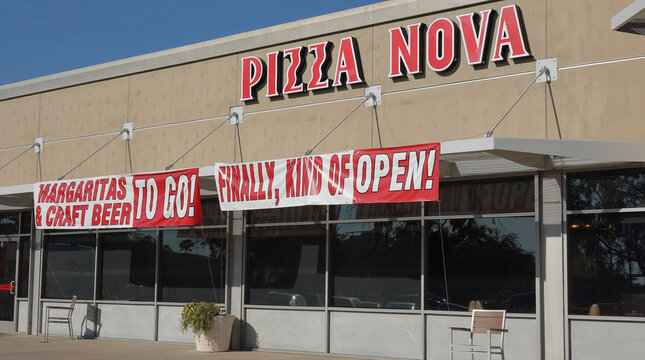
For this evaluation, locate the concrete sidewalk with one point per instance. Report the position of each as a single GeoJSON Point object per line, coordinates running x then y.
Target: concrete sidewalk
{"type": "Point", "coordinates": [31, 347]}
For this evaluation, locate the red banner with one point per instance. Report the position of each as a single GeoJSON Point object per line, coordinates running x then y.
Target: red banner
{"type": "Point", "coordinates": [401, 174]}
{"type": "Point", "coordinates": [126, 201]}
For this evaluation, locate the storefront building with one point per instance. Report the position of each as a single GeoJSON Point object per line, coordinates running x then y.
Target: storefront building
{"type": "Point", "coordinates": [536, 106]}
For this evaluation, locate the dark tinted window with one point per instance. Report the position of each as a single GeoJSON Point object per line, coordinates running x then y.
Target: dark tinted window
{"type": "Point", "coordinates": [606, 189]}
{"type": "Point", "coordinates": [9, 223]}
{"type": "Point", "coordinates": [484, 197]}
{"type": "Point", "coordinates": [25, 222]}
{"type": "Point", "coordinates": [376, 264]}
{"type": "Point", "coordinates": [286, 266]}
{"type": "Point", "coordinates": [371, 211]}
{"type": "Point", "coordinates": [23, 271]}
{"type": "Point", "coordinates": [128, 266]}
{"type": "Point", "coordinates": [288, 214]}
{"type": "Point", "coordinates": [193, 265]}
{"type": "Point", "coordinates": [490, 260]}
{"type": "Point", "coordinates": [211, 212]}
{"type": "Point", "coordinates": [606, 264]}
{"type": "Point", "coordinates": [69, 267]}
{"type": "Point", "coordinates": [7, 277]}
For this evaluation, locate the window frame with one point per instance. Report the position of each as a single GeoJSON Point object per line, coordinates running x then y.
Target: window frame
{"type": "Point", "coordinates": [421, 216]}
{"type": "Point", "coordinates": [157, 289]}
{"type": "Point", "coordinates": [592, 211]}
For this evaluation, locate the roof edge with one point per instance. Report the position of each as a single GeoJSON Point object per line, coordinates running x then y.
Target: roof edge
{"type": "Point", "coordinates": [625, 15]}
{"type": "Point", "coordinates": [612, 151]}
{"type": "Point", "coordinates": [317, 26]}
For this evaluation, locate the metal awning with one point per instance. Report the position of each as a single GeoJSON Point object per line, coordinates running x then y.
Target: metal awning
{"type": "Point", "coordinates": [631, 19]}
{"type": "Point", "coordinates": [16, 197]}
{"type": "Point", "coordinates": [470, 157]}
{"type": "Point", "coordinates": [487, 156]}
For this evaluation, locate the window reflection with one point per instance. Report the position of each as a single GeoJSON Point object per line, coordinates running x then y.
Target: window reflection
{"type": "Point", "coordinates": [485, 197]}
{"type": "Point", "coordinates": [69, 267]}
{"type": "Point", "coordinates": [193, 265]}
{"type": "Point", "coordinates": [288, 214]}
{"type": "Point", "coordinates": [9, 223]}
{"type": "Point", "coordinates": [211, 212]}
{"type": "Point", "coordinates": [488, 260]}
{"type": "Point", "coordinates": [128, 266]}
{"type": "Point", "coordinates": [23, 271]}
{"type": "Point", "coordinates": [371, 211]}
{"type": "Point", "coordinates": [25, 222]}
{"type": "Point", "coordinates": [606, 190]}
{"type": "Point", "coordinates": [286, 266]}
{"type": "Point", "coordinates": [376, 264]}
{"type": "Point", "coordinates": [606, 263]}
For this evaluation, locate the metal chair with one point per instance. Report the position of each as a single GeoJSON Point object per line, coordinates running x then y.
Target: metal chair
{"type": "Point", "coordinates": [489, 322]}
{"type": "Point", "coordinates": [60, 319]}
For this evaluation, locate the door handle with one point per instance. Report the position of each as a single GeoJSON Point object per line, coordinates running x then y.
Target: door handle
{"type": "Point", "coordinates": [12, 285]}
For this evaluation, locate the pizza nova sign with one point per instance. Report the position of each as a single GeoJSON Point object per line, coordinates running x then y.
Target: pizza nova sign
{"type": "Point", "coordinates": [436, 43]}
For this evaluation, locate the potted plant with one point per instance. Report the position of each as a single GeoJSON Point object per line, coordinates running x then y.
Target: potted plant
{"type": "Point", "coordinates": [211, 325]}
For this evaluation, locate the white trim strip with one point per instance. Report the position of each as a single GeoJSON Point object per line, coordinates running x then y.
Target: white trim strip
{"type": "Point", "coordinates": [304, 105]}
{"type": "Point", "coordinates": [604, 62]}
{"type": "Point", "coordinates": [429, 87]}
{"type": "Point", "coordinates": [14, 147]}
{"type": "Point", "coordinates": [462, 82]}
{"type": "Point", "coordinates": [183, 122]}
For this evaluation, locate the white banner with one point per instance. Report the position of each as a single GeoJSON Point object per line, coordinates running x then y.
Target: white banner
{"type": "Point", "coordinates": [401, 174]}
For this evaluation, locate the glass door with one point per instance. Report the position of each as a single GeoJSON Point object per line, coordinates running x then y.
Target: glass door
{"type": "Point", "coordinates": [8, 265]}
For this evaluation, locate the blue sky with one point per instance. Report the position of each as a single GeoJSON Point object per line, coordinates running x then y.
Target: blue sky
{"type": "Point", "coordinates": [42, 37]}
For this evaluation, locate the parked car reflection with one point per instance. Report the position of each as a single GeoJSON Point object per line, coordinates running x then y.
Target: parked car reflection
{"type": "Point", "coordinates": [370, 304]}
{"type": "Point", "coordinates": [346, 301]}
{"type": "Point", "coordinates": [351, 301]}
{"type": "Point", "coordinates": [401, 305]}
{"type": "Point", "coordinates": [283, 299]}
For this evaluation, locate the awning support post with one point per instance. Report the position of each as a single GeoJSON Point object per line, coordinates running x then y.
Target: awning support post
{"type": "Point", "coordinates": [546, 70]}
{"type": "Point", "coordinates": [237, 116]}
{"type": "Point", "coordinates": [200, 141]}
{"type": "Point", "coordinates": [38, 145]}
{"type": "Point", "coordinates": [372, 93]}
{"type": "Point", "coordinates": [120, 133]}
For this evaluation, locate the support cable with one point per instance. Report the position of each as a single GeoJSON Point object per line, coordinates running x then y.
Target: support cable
{"type": "Point", "coordinates": [239, 140]}
{"type": "Point", "coordinates": [200, 141]}
{"type": "Point", "coordinates": [92, 154]}
{"type": "Point", "coordinates": [16, 158]}
{"type": "Point", "coordinates": [129, 155]}
{"type": "Point", "coordinates": [489, 133]}
{"type": "Point", "coordinates": [308, 152]}
{"type": "Point", "coordinates": [378, 128]}
{"type": "Point", "coordinates": [443, 258]}
{"type": "Point", "coordinates": [206, 245]}
{"type": "Point", "coordinates": [39, 168]}
{"type": "Point", "coordinates": [557, 121]}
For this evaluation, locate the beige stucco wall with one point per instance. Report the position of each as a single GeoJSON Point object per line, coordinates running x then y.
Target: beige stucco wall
{"type": "Point", "coordinates": [601, 101]}
{"type": "Point", "coordinates": [19, 124]}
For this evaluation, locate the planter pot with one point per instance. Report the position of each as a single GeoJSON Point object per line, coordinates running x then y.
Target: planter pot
{"type": "Point", "coordinates": [219, 336]}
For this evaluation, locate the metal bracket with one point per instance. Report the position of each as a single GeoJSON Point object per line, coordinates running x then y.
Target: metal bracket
{"type": "Point", "coordinates": [551, 73]}
{"type": "Point", "coordinates": [127, 131]}
{"type": "Point", "coordinates": [238, 115]}
{"type": "Point", "coordinates": [38, 145]}
{"type": "Point", "coordinates": [374, 93]}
